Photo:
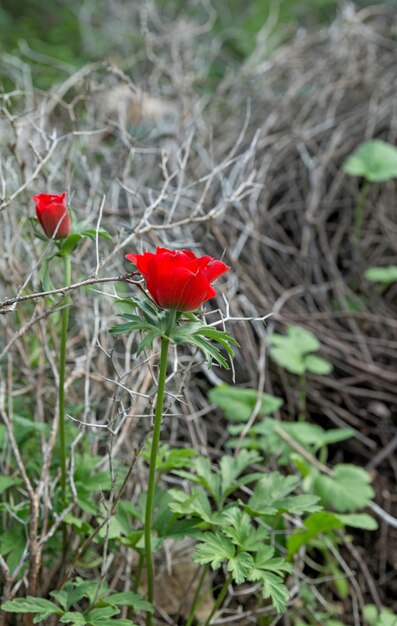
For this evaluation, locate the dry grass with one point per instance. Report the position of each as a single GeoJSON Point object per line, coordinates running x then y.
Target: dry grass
{"type": "Point", "coordinates": [251, 170]}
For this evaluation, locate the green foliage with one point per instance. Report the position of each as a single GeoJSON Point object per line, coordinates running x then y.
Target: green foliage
{"type": "Point", "coordinates": [229, 479]}
{"type": "Point", "coordinates": [387, 274]}
{"type": "Point", "coordinates": [66, 246]}
{"type": "Point", "coordinates": [348, 489]}
{"type": "Point", "coordinates": [375, 160]}
{"type": "Point", "coordinates": [294, 352]}
{"type": "Point", "coordinates": [238, 404]}
{"type": "Point", "coordinates": [40, 607]}
{"type": "Point", "coordinates": [265, 436]}
{"type": "Point", "coordinates": [169, 458]}
{"type": "Point", "coordinates": [154, 322]}
{"type": "Point", "coordinates": [103, 607]}
{"type": "Point", "coordinates": [374, 617]}
{"type": "Point", "coordinates": [272, 495]}
{"type": "Point", "coordinates": [239, 545]}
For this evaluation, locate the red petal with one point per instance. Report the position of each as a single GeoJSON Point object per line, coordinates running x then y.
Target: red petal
{"type": "Point", "coordinates": [216, 269]}
{"type": "Point", "coordinates": [141, 261]}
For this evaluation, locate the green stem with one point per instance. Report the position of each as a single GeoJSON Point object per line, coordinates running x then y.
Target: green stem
{"type": "Point", "coordinates": [196, 598]}
{"type": "Point", "coordinates": [358, 214]}
{"type": "Point", "coordinates": [219, 600]}
{"type": "Point", "coordinates": [153, 459]}
{"type": "Point", "coordinates": [61, 390]}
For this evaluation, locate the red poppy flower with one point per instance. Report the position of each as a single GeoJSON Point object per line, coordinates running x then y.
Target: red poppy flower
{"type": "Point", "coordinates": [53, 214]}
{"type": "Point", "coordinates": [177, 279]}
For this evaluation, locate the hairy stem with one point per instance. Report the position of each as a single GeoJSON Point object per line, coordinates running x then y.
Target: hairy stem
{"type": "Point", "coordinates": [153, 459]}
{"type": "Point", "coordinates": [61, 390]}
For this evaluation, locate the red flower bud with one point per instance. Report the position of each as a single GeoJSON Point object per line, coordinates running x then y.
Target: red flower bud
{"type": "Point", "coordinates": [177, 279]}
{"type": "Point", "coordinates": [53, 214]}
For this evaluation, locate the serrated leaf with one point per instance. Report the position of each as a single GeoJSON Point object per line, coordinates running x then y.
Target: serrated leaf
{"type": "Point", "coordinates": [128, 327]}
{"type": "Point", "coordinates": [213, 549]}
{"type": "Point", "coordinates": [40, 606]}
{"type": "Point", "coordinates": [197, 504]}
{"type": "Point", "coordinates": [61, 597]}
{"type": "Point", "coordinates": [232, 467]}
{"type": "Point", "coordinates": [237, 525]}
{"type": "Point", "coordinates": [347, 490]}
{"type": "Point", "coordinates": [147, 342]}
{"type": "Point", "coordinates": [240, 566]}
{"type": "Point", "coordinates": [317, 365]}
{"type": "Point", "coordinates": [269, 492]}
{"type": "Point", "coordinates": [302, 503]}
{"type": "Point", "coordinates": [274, 588]}
{"type": "Point", "coordinates": [183, 333]}
{"type": "Point", "coordinates": [71, 617]}
{"type": "Point", "coordinates": [127, 598]}
{"type": "Point", "coordinates": [210, 352]}
{"type": "Point", "coordinates": [102, 613]}
{"type": "Point", "coordinates": [375, 160]}
{"type": "Point", "coordinates": [265, 560]}
{"type": "Point", "coordinates": [321, 522]}
{"type": "Point", "coordinates": [208, 478]}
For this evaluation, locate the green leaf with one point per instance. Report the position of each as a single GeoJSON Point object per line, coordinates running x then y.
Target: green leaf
{"type": "Point", "coordinates": [183, 333]}
{"type": "Point", "coordinates": [232, 467]}
{"type": "Point", "coordinates": [347, 490]}
{"type": "Point", "coordinates": [210, 352]}
{"type": "Point", "coordinates": [386, 274]}
{"type": "Point", "coordinates": [274, 588]}
{"type": "Point", "coordinates": [102, 613]}
{"type": "Point", "coordinates": [302, 339]}
{"type": "Point", "coordinates": [71, 617]}
{"type": "Point", "coordinates": [334, 435]}
{"type": "Point", "coordinates": [302, 503]}
{"type": "Point", "coordinates": [237, 525]}
{"type": "Point", "coordinates": [197, 503]}
{"type": "Point", "coordinates": [214, 548]}
{"type": "Point", "coordinates": [147, 342]}
{"type": "Point", "coordinates": [67, 245]}
{"type": "Point", "coordinates": [270, 492]}
{"type": "Point", "coordinates": [317, 365]}
{"type": "Point", "coordinates": [374, 617]}
{"type": "Point", "coordinates": [92, 233]}
{"type": "Point", "coordinates": [128, 327]}
{"type": "Point", "coordinates": [289, 358]}
{"type": "Point", "coordinates": [238, 403]}
{"type": "Point", "coordinates": [240, 566]}
{"type": "Point", "coordinates": [359, 520]}
{"type": "Point", "coordinates": [40, 606]}
{"type": "Point", "coordinates": [13, 543]}
{"type": "Point", "coordinates": [208, 478]}
{"type": "Point", "coordinates": [291, 350]}
{"type": "Point", "coordinates": [321, 522]}
{"type": "Point", "coordinates": [8, 481]}
{"type": "Point", "coordinates": [375, 160]}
